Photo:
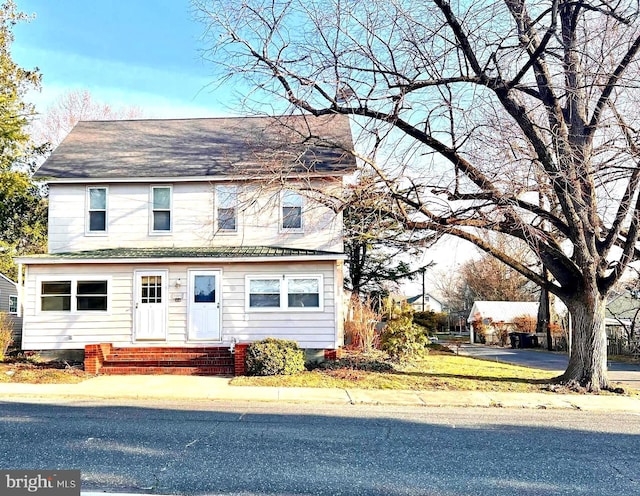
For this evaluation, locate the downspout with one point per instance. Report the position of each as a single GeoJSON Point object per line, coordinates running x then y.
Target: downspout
{"type": "Point", "coordinates": [20, 290]}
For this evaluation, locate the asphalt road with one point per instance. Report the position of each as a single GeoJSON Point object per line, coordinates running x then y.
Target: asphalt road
{"type": "Point", "coordinates": [278, 449]}
{"type": "Point", "coordinates": [625, 373]}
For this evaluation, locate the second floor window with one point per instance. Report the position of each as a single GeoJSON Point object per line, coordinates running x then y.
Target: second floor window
{"type": "Point", "coordinates": [97, 212]}
{"type": "Point", "coordinates": [291, 211]}
{"type": "Point", "coordinates": [227, 208]}
{"type": "Point", "coordinates": [161, 209]}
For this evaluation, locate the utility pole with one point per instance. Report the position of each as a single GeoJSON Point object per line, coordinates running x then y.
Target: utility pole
{"type": "Point", "coordinates": [423, 287]}
{"type": "Point", "coordinates": [542, 324]}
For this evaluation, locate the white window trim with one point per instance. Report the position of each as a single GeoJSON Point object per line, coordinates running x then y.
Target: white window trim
{"type": "Point", "coordinates": [87, 223]}
{"type": "Point", "coordinates": [74, 293]}
{"type": "Point", "coordinates": [16, 297]}
{"type": "Point", "coordinates": [284, 301]}
{"type": "Point", "coordinates": [216, 203]}
{"type": "Point", "coordinates": [283, 229]}
{"type": "Point", "coordinates": [152, 232]}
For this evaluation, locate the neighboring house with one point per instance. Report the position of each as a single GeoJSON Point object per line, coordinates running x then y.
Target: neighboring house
{"type": "Point", "coordinates": [9, 305]}
{"type": "Point", "coordinates": [189, 238]}
{"type": "Point", "coordinates": [622, 316]}
{"type": "Point", "coordinates": [503, 312]}
{"type": "Point", "coordinates": [426, 304]}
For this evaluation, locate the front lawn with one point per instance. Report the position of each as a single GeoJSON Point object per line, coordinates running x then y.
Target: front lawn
{"type": "Point", "coordinates": [434, 372]}
{"type": "Point", "coordinates": [45, 372]}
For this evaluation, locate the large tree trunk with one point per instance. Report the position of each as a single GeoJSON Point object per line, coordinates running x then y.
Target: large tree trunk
{"type": "Point", "coordinates": [588, 362]}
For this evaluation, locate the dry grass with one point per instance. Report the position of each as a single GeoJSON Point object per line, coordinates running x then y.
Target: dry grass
{"type": "Point", "coordinates": [436, 372]}
{"type": "Point", "coordinates": [40, 373]}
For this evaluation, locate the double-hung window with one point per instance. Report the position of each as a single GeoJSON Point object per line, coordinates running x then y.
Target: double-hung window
{"type": "Point", "coordinates": [91, 295]}
{"type": "Point", "coordinates": [303, 292]}
{"type": "Point", "coordinates": [291, 211]}
{"type": "Point", "coordinates": [227, 208]}
{"type": "Point", "coordinates": [55, 296]}
{"type": "Point", "coordinates": [97, 210]}
{"type": "Point", "coordinates": [13, 304]}
{"type": "Point", "coordinates": [264, 293]}
{"type": "Point", "coordinates": [284, 292]}
{"type": "Point", "coordinates": [74, 295]}
{"type": "Point", "coordinates": [161, 209]}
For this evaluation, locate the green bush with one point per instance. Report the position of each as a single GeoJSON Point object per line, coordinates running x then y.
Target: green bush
{"type": "Point", "coordinates": [402, 339]}
{"type": "Point", "coordinates": [353, 363]}
{"type": "Point", "coordinates": [430, 320]}
{"type": "Point", "coordinates": [274, 357]}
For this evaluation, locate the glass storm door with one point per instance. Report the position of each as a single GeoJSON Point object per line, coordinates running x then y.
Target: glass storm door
{"type": "Point", "coordinates": [150, 305]}
{"type": "Point", "coordinates": [204, 305]}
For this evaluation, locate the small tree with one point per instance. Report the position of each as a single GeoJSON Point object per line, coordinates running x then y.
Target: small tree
{"type": "Point", "coordinates": [401, 338]}
{"type": "Point", "coordinates": [481, 327]}
{"type": "Point", "coordinates": [525, 323]}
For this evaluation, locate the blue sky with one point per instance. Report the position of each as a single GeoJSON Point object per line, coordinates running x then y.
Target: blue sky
{"type": "Point", "coordinates": [125, 52]}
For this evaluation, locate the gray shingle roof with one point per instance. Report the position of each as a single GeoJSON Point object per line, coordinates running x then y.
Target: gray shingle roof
{"type": "Point", "coordinates": [244, 146]}
{"type": "Point", "coordinates": [240, 252]}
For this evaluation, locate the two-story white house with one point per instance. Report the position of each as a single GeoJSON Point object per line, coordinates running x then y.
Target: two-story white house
{"type": "Point", "coordinates": [188, 238]}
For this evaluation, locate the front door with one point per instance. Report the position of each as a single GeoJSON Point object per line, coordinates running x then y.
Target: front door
{"type": "Point", "coordinates": [204, 305]}
{"type": "Point", "coordinates": [150, 304]}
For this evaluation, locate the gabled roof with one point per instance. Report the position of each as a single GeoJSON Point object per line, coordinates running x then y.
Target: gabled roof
{"type": "Point", "coordinates": [504, 311]}
{"type": "Point", "coordinates": [418, 298]}
{"type": "Point", "coordinates": [7, 279]}
{"type": "Point", "coordinates": [202, 148]}
{"type": "Point", "coordinates": [220, 253]}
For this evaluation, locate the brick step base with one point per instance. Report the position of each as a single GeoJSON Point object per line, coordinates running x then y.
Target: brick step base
{"type": "Point", "coordinates": [171, 370]}
{"type": "Point", "coordinates": [174, 357]}
{"type": "Point", "coordinates": [105, 359]}
{"type": "Point", "coordinates": [168, 362]}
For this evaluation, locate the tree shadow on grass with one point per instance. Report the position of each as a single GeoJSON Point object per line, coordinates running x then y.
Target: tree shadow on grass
{"type": "Point", "coordinates": [480, 378]}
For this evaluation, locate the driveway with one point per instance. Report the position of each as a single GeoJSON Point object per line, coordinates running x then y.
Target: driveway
{"type": "Point", "coordinates": [625, 373]}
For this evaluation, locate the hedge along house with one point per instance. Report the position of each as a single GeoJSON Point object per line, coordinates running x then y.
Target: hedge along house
{"type": "Point", "coordinates": [173, 243]}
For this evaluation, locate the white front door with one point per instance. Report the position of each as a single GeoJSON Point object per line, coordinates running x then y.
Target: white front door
{"type": "Point", "coordinates": [204, 305]}
{"type": "Point", "coordinates": [150, 304]}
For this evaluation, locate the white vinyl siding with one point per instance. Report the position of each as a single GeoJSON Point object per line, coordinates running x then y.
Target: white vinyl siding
{"type": "Point", "coordinates": [192, 220]}
{"type": "Point", "coordinates": [312, 328]}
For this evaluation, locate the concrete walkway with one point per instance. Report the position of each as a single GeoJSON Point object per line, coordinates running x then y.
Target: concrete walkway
{"type": "Point", "coordinates": [181, 388]}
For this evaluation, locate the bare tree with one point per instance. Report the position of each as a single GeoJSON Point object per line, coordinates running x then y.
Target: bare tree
{"type": "Point", "coordinates": [434, 82]}
{"type": "Point", "coordinates": [77, 105]}
{"type": "Point", "coordinates": [486, 279]}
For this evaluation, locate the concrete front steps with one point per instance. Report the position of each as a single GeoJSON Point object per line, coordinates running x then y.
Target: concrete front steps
{"type": "Point", "coordinates": [108, 360]}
